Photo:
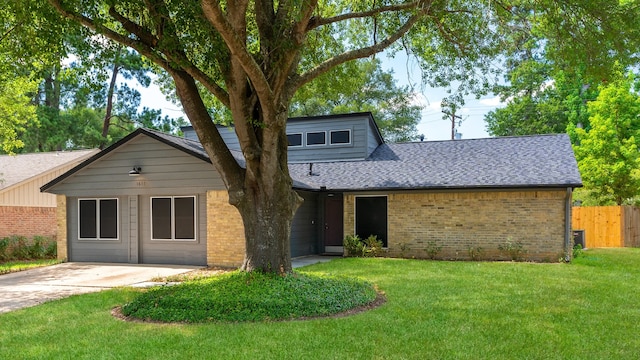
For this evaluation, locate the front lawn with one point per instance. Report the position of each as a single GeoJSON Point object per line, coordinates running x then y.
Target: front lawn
{"type": "Point", "coordinates": [435, 310]}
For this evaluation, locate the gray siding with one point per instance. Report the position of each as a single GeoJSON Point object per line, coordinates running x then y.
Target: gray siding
{"type": "Point", "coordinates": [304, 230]}
{"type": "Point", "coordinates": [356, 150]}
{"type": "Point", "coordinates": [226, 132]}
{"type": "Point", "coordinates": [372, 139]}
{"type": "Point", "coordinates": [229, 136]}
{"type": "Point", "coordinates": [98, 250]}
{"type": "Point", "coordinates": [364, 138]}
{"type": "Point", "coordinates": [165, 170]}
{"type": "Point", "coordinates": [174, 252]}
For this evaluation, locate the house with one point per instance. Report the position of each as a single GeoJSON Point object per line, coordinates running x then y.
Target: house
{"type": "Point", "coordinates": [24, 210]}
{"type": "Point", "coordinates": [156, 198]}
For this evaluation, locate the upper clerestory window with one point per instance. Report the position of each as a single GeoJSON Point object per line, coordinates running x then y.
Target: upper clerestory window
{"type": "Point", "coordinates": [340, 137]}
{"type": "Point", "coordinates": [316, 138]}
{"type": "Point", "coordinates": [294, 139]}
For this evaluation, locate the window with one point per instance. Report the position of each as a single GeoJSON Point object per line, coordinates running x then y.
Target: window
{"type": "Point", "coordinates": [173, 218]}
{"type": "Point", "coordinates": [340, 137]}
{"type": "Point", "coordinates": [316, 138]}
{"type": "Point", "coordinates": [98, 219]}
{"type": "Point", "coordinates": [371, 217]}
{"type": "Point", "coordinates": [294, 139]}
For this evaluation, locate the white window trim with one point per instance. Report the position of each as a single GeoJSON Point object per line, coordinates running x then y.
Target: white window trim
{"type": "Point", "coordinates": [98, 238]}
{"type": "Point", "coordinates": [173, 217]}
{"type": "Point", "coordinates": [315, 132]}
{"type": "Point", "coordinates": [340, 144]}
{"type": "Point", "coordinates": [301, 140]}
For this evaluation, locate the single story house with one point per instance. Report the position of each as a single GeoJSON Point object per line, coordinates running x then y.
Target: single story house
{"type": "Point", "coordinates": [156, 198]}
{"type": "Point", "coordinates": [24, 210]}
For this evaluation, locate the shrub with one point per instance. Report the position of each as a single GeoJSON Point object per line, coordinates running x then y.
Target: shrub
{"type": "Point", "coordinates": [475, 252]}
{"type": "Point", "coordinates": [5, 253]}
{"type": "Point", "coordinates": [577, 251]}
{"type": "Point", "coordinates": [51, 251]}
{"type": "Point", "coordinates": [353, 246]}
{"type": "Point", "coordinates": [373, 246]}
{"type": "Point", "coordinates": [514, 249]}
{"type": "Point", "coordinates": [19, 248]}
{"type": "Point", "coordinates": [432, 249]}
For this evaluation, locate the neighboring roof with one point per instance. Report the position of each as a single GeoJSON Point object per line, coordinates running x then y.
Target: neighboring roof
{"type": "Point", "coordinates": [16, 169]}
{"type": "Point", "coordinates": [504, 162]}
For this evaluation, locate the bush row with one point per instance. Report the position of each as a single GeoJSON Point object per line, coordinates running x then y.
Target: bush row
{"type": "Point", "coordinates": [21, 248]}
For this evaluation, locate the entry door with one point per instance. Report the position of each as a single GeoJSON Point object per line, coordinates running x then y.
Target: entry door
{"type": "Point", "coordinates": [333, 229]}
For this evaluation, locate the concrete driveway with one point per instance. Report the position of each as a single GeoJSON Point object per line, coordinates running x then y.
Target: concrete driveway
{"type": "Point", "coordinates": [33, 287]}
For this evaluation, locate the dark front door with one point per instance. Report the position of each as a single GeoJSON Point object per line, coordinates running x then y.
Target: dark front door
{"type": "Point", "coordinates": [333, 223]}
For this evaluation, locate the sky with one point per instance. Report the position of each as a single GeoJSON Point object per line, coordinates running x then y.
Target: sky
{"type": "Point", "coordinates": [432, 125]}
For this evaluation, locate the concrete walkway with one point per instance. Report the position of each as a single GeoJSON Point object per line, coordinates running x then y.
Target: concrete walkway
{"type": "Point", "coordinates": [32, 287]}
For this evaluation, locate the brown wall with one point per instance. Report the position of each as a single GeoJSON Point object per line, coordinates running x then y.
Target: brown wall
{"type": "Point", "coordinates": [456, 221]}
{"type": "Point", "coordinates": [27, 221]}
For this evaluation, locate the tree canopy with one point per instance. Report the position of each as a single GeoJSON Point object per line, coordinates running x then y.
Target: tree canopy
{"type": "Point", "coordinates": [254, 55]}
{"type": "Point", "coordinates": [607, 154]}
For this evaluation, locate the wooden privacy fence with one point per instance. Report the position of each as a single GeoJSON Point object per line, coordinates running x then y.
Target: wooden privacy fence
{"type": "Point", "coordinates": [607, 226]}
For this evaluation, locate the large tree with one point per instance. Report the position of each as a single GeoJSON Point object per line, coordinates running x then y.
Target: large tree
{"type": "Point", "coordinates": [253, 55]}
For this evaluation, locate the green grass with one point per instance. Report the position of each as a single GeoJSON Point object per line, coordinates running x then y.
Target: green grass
{"type": "Point", "coordinates": [435, 310]}
{"type": "Point", "coordinates": [254, 297]}
{"type": "Point", "coordinates": [20, 265]}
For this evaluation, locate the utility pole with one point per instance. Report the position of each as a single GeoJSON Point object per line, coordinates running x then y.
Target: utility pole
{"type": "Point", "coordinates": [453, 116]}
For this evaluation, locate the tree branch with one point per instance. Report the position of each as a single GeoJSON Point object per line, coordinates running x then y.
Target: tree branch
{"type": "Point", "coordinates": [317, 22]}
{"type": "Point", "coordinates": [356, 54]}
{"type": "Point", "coordinates": [213, 13]}
{"type": "Point", "coordinates": [232, 174]}
{"type": "Point", "coordinates": [163, 59]}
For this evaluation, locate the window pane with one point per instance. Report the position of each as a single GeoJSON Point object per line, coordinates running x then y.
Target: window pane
{"type": "Point", "coordinates": [371, 217]}
{"type": "Point", "coordinates": [316, 138]}
{"type": "Point", "coordinates": [340, 137]}
{"type": "Point", "coordinates": [185, 217]}
{"type": "Point", "coordinates": [88, 219]}
{"type": "Point", "coordinates": [294, 139]}
{"type": "Point", "coordinates": [109, 219]}
{"type": "Point", "coordinates": [161, 218]}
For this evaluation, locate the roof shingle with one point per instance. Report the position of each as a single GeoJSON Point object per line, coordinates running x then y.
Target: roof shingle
{"type": "Point", "coordinates": [527, 161]}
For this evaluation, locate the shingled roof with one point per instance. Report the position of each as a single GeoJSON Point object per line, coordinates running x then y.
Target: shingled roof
{"type": "Point", "coordinates": [15, 169]}
{"type": "Point", "coordinates": [503, 162]}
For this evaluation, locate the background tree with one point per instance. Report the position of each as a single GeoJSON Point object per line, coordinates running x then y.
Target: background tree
{"type": "Point", "coordinates": [607, 154]}
{"type": "Point", "coordinates": [77, 97]}
{"type": "Point", "coordinates": [254, 55]}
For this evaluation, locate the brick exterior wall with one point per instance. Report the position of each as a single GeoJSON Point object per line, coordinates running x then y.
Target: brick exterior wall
{"type": "Point", "coordinates": [456, 221]}
{"type": "Point", "coordinates": [225, 231]}
{"type": "Point", "coordinates": [61, 224]}
{"type": "Point", "coordinates": [27, 221]}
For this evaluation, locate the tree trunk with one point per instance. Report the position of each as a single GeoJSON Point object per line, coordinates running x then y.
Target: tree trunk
{"type": "Point", "coordinates": [262, 190]}
{"type": "Point", "coordinates": [267, 215]}
{"type": "Point", "coordinates": [106, 122]}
